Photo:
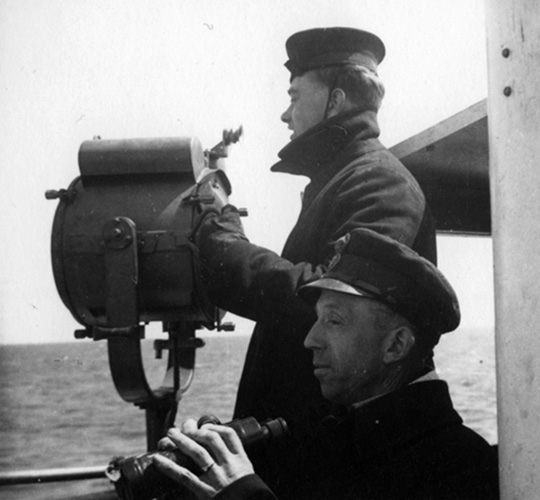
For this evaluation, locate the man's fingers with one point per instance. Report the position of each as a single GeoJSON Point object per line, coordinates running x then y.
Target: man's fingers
{"type": "Point", "coordinates": [229, 436]}
{"type": "Point", "coordinates": [191, 448]}
{"type": "Point", "coordinates": [166, 444]}
{"type": "Point", "coordinates": [215, 449]}
{"type": "Point", "coordinates": [189, 426]}
{"type": "Point", "coordinates": [173, 470]}
{"type": "Point", "coordinates": [210, 440]}
{"type": "Point", "coordinates": [183, 476]}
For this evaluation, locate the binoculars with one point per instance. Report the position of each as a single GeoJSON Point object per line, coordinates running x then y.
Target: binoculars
{"type": "Point", "coordinates": [136, 478]}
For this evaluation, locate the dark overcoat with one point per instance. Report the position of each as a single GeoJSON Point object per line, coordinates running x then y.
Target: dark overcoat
{"type": "Point", "coordinates": [355, 182]}
{"type": "Point", "coordinates": [410, 444]}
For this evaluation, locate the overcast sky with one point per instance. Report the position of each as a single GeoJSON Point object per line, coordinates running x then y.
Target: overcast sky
{"type": "Point", "coordinates": [72, 69]}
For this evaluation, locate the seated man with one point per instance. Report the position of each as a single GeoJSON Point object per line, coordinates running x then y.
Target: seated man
{"type": "Point", "coordinates": [381, 308]}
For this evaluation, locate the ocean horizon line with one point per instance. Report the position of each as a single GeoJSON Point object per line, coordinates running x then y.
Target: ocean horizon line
{"type": "Point", "coordinates": [242, 332]}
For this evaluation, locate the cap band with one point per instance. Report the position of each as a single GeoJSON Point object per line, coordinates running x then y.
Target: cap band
{"type": "Point", "coordinates": [388, 281]}
{"type": "Point", "coordinates": [333, 59]}
{"type": "Point", "coordinates": [336, 286]}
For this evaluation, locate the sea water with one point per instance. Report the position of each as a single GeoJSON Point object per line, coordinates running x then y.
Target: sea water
{"type": "Point", "coordinates": [59, 407]}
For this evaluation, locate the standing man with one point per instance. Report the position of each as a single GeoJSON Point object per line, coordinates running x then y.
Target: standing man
{"type": "Point", "coordinates": [394, 434]}
{"type": "Point", "coordinates": [355, 182]}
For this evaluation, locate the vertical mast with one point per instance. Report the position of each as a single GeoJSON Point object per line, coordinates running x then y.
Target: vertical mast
{"type": "Point", "coordinates": [513, 32]}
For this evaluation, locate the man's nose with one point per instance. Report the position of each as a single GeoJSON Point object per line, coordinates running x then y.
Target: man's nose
{"type": "Point", "coordinates": [286, 116]}
{"type": "Point", "coordinates": [313, 338]}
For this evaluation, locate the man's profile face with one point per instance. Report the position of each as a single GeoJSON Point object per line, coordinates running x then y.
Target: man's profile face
{"type": "Point", "coordinates": [347, 348]}
{"type": "Point", "coordinates": [308, 103]}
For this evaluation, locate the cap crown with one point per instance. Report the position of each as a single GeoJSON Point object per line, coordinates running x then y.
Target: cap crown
{"type": "Point", "coordinates": [323, 47]}
{"type": "Point", "coordinates": [382, 268]}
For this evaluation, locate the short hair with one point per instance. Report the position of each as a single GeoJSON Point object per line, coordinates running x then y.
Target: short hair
{"type": "Point", "coordinates": [362, 86]}
{"type": "Point", "coordinates": [386, 319]}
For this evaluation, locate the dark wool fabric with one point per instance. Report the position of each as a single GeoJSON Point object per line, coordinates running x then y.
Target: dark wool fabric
{"type": "Point", "coordinates": [354, 182]}
{"type": "Point", "coordinates": [409, 444]}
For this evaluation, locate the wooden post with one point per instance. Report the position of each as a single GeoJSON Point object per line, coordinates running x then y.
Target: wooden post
{"type": "Point", "coordinates": [513, 32]}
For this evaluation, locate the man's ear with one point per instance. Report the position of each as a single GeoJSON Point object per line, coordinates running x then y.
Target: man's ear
{"type": "Point", "coordinates": [337, 102]}
{"type": "Point", "coordinates": [398, 344]}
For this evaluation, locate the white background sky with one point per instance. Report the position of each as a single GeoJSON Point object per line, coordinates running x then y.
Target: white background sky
{"type": "Point", "coordinates": [133, 68]}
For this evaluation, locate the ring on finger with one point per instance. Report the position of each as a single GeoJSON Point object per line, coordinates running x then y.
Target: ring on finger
{"type": "Point", "coordinates": [206, 468]}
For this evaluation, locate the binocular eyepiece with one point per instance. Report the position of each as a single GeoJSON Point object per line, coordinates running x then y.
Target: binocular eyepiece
{"type": "Point", "coordinates": [136, 478]}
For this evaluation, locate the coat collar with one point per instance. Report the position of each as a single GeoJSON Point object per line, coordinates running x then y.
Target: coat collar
{"type": "Point", "coordinates": [403, 416]}
{"type": "Point", "coordinates": [319, 145]}
{"type": "Point", "coordinates": [398, 417]}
